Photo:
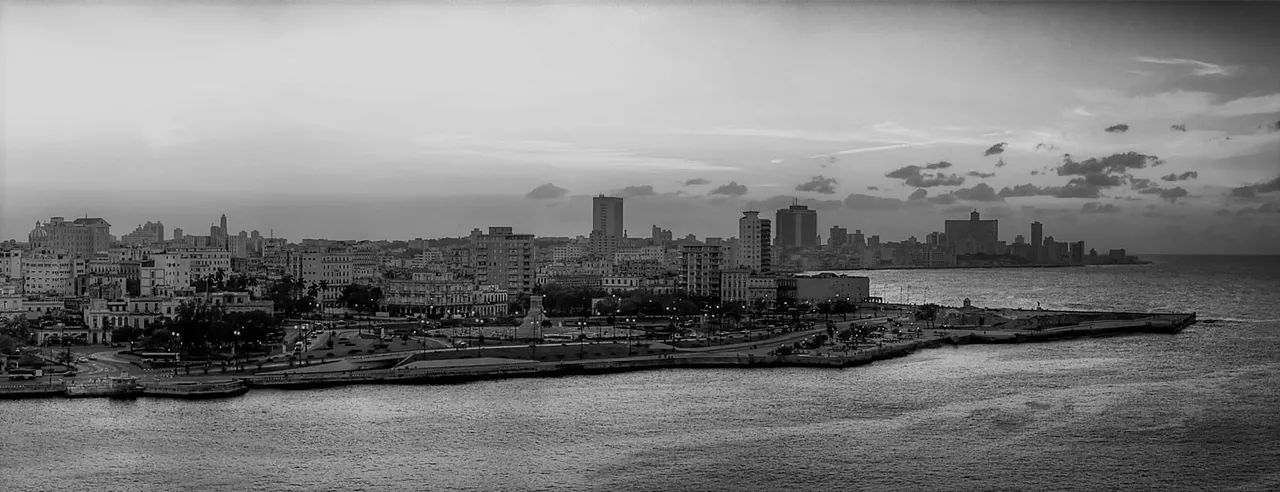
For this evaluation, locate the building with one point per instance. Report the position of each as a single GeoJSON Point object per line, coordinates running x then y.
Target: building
{"type": "Point", "coordinates": [566, 252]}
{"type": "Point", "coordinates": [79, 238]}
{"type": "Point", "coordinates": [974, 236]}
{"type": "Point", "coordinates": [1077, 252]}
{"type": "Point", "coordinates": [149, 233]}
{"type": "Point", "coordinates": [11, 264]}
{"type": "Point", "coordinates": [829, 287]}
{"type": "Point", "coordinates": [753, 249]}
{"type": "Point", "coordinates": [613, 283]}
{"type": "Point", "coordinates": [606, 226]}
{"type": "Point", "coordinates": [333, 267]}
{"type": "Point", "coordinates": [660, 236]}
{"type": "Point", "coordinates": [1037, 242]}
{"type": "Point", "coordinates": [735, 285]}
{"type": "Point", "coordinates": [797, 227]}
{"type": "Point", "coordinates": [433, 293]}
{"type": "Point", "coordinates": [51, 273]}
{"type": "Point", "coordinates": [505, 259]}
{"type": "Point", "coordinates": [700, 267]}
{"type": "Point", "coordinates": [490, 301]}
{"type": "Point", "coordinates": [838, 238]}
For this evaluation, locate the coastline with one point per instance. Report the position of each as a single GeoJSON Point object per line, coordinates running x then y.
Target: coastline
{"type": "Point", "coordinates": [979, 267]}
{"type": "Point", "coordinates": [414, 370]}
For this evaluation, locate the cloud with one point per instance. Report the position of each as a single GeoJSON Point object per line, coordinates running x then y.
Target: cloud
{"type": "Point", "coordinates": [873, 188]}
{"type": "Point", "coordinates": [1071, 190]}
{"type": "Point", "coordinates": [996, 149]}
{"type": "Point", "coordinates": [862, 202]}
{"type": "Point", "coordinates": [1139, 183]}
{"type": "Point", "coordinates": [976, 174]}
{"type": "Point", "coordinates": [546, 192]}
{"type": "Point", "coordinates": [1253, 190]}
{"type": "Point", "coordinates": [819, 184]}
{"type": "Point", "coordinates": [1201, 68]}
{"type": "Point", "coordinates": [1034, 172]}
{"type": "Point", "coordinates": [1178, 128]}
{"type": "Point", "coordinates": [1098, 208]}
{"type": "Point", "coordinates": [1266, 208]}
{"type": "Point", "coordinates": [1048, 147]}
{"type": "Point", "coordinates": [919, 194]}
{"type": "Point", "coordinates": [784, 201]}
{"type": "Point", "coordinates": [1170, 194]}
{"type": "Point", "coordinates": [1121, 128]}
{"type": "Point", "coordinates": [912, 176]}
{"type": "Point", "coordinates": [1113, 164]}
{"type": "Point", "coordinates": [776, 161]}
{"type": "Point", "coordinates": [1001, 163]}
{"type": "Point", "coordinates": [946, 199]}
{"type": "Point", "coordinates": [731, 189]}
{"type": "Point", "coordinates": [636, 191]}
{"type": "Point", "coordinates": [554, 154]}
{"type": "Point", "coordinates": [979, 193]}
{"type": "Point", "coordinates": [696, 182]}
{"type": "Point", "coordinates": [1180, 177]}
{"type": "Point", "coordinates": [1273, 126]}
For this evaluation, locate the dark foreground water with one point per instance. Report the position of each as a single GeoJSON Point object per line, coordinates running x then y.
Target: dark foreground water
{"type": "Point", "coordinates": [1195, 411]}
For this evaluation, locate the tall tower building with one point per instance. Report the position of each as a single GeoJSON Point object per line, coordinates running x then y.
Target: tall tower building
{"type": "Point", "coordinates": [606, 227]}
{"type": "Point", "coordinates": [754, 250]}
{"type": "Point", "coordinates": [797, 226]}
{"type": "Point", "coordinates": [223, 224]}
{"type": "Point", "coordinates": [1037, 242]}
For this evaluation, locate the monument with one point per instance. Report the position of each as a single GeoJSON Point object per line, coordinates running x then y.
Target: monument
{"type": "Point", "coordinates": [531, 327]}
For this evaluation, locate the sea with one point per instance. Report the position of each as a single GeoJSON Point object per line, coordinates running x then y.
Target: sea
{"type": "Point", "coordinates": [1198, 410]}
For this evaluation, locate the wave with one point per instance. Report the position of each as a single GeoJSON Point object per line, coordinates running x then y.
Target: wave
{"type": "Point", "coordinates": [1211, 321]}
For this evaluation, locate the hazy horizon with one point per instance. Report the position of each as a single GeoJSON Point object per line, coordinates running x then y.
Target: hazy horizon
{"type": "Point", "coordinates": [394, 121]}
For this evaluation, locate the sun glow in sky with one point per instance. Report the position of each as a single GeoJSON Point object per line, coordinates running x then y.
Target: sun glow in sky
{"type": "Point", "coordinates": [395, 121]}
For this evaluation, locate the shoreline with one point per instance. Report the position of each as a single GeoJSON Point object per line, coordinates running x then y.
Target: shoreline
{"type": "Point", "coordinates": [976, 267]}
{"type": "Point", "coordinates": [451, 371]}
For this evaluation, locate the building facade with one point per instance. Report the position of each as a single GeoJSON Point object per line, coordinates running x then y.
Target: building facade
{"type": "Point", "coordinates": [797, 227]}
{"type": "Point", "coordinates": [505, 259]}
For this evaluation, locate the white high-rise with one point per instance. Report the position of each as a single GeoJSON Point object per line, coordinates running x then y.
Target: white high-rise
{"type": "Point", "coordinates": [754, 249]}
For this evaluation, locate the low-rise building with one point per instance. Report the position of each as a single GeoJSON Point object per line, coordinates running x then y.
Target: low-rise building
{"type": "Point", "coordinates": [829, 287]}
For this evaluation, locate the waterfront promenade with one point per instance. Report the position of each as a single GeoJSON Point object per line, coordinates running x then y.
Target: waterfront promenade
{"type": "Point", "coordinates": [563, 359]}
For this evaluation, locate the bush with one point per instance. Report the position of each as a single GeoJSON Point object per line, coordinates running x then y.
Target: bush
{"type": "Point", "coordinates": [354, 351]}
{"type": "Point", "coordinates": [311, 356]}
{"type": "Point", "coordinates": [328, 354]}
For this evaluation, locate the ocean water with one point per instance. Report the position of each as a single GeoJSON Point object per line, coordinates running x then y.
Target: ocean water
{"type": "Point", "coordinates": [1194, 411]}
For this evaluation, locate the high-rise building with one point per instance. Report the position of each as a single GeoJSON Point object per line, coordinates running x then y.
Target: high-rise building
{"type": "Point", "coordinates": [606, 227]}
{"type": "Point", "coordinates": [839, 237]}
{"type": "Point", "coordinates": [797, 226]}
{"type": "Point", "coordinates": [753, 249]}
{"type": "Point", "coordinates": [1037, 242]}
{"type": "Point", "coordinates": [974, 236]}
{"type": "Point", "coordinates": [700, 267]}
{"type": "Point", "coordinates": [858, 239]}
{"type": "Point", "coordinates": [504, 259]}
{"type": "Point", "coordinates": [331, 266]}
{"type": "Point", "coordinates": [659, 235]}
{"type": "Point", "coordinates": [149, 233]}
{"type": "Point", "coordinates": [177, 233]}
{"type": "Point", "coordinates": [80, 238]}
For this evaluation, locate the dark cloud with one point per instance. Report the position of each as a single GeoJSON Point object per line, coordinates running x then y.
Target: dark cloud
{"type": "Point", "coordinates": [1169, 194]}
{"type": "Point", "coordinates": [1253, 190]}
{"type": "Point", "coordinates": [999, 212]}
{"type": "Point", "coordinates": [819, 184]}
{"type": "Point", "coordinates": [696, 182]}
{"type": "Point", "coordinates": [635, 191]}
{"type": "Point", "coordinates": [1034, 172]}
{"type": "Point", "coordinates": [1097, 180]}
{"type": "Point", "coordinates": [1121, 128]}
{"type": "Point", "coordinates": [1071, 190]}
{"type": "Point", "coordinates": [996, 149]}
{"type": "Point", "coordinates": [920, 193]}
{"type": "Point", "coordinates": [1113, 164]}
{"type": "Point", "coordinates": [914, 177]}
{"type": "Point", "coordinates": [938, 165]}
{"type": "Point", "coordinates": [1046, 147]}
{"type": "Point", "coordinates": [731, 189]}
{"type": "Point", "coordinates": [872, 203]}
{"type": "Point", "coordinates": [980, 193]}
{"type": "Point", "coordinates": [1273, 126]}
{"type": "Point", "coordinates": [546, 192]}
{"type": "Point", "coordinates": [1139, 183]}
{"type": "Point", "coordinates": [873, 188]}
{"type": "Point", "coordinates": [1222, 212]}
{"type": "Point", "coordinates": [976, 174]}
{"type": "Point", "coordinates": [1001, 163]}
{"type": "Point", "coordinates": [1098, 208]}
{"type": "Point", "coordinates": [1266, 208]}
{"type": "Point", "coordinates": [957, 210]}
{"type": "Point", "coordinates": [1178, 128]}
{"type": "Point", "coordinates": [1180, 177]}
{"type": "Point", "coordinates": [946, 199]}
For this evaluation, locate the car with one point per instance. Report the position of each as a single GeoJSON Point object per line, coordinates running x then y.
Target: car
{"type": "Point", "coordinates": [69, 374]}
{"type": "Point", "coordinates": [82, 360]}
{"type": "Point", "coordinates": [93, 357]}
{"type": "Point", "coordinates": [344, 339]}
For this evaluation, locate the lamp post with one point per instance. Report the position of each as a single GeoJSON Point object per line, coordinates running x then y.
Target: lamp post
{"type": "Point", "coordinates": [235, 342]}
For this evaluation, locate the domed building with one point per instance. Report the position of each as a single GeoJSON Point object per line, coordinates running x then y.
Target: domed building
{"type": "Point", "coordinates": [80, 238]}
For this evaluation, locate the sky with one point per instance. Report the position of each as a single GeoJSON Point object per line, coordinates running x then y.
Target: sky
{"type": "Point", "coordinates": [1152, 127]}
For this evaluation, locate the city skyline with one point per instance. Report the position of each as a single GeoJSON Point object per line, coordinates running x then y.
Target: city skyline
{"type": "Point", "coordinates": [692, 114]}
